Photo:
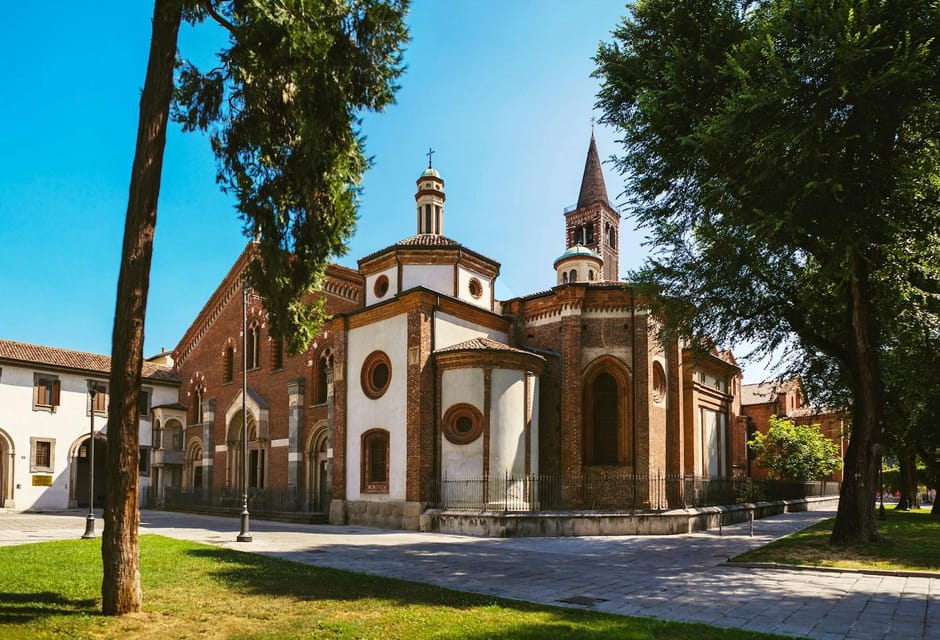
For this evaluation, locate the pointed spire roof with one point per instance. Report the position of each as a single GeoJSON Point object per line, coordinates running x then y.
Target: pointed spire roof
{"type": "Point", "coordinates": [593, 188]}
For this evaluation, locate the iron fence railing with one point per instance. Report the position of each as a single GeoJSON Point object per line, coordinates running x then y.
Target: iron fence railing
{"type": "Point", "coordinates": [606, 491]}
{"type": "Point", "coordinates": [612, 491]}
{"type": "Point", "coordinates": [259, 500]}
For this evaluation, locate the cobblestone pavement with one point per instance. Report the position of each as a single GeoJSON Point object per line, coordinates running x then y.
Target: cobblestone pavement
{"type": "Point", "coordinates": [671, 577]}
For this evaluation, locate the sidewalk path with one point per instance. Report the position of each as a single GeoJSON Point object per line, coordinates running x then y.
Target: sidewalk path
{"type": "Point", "coordinates": [671, 577]}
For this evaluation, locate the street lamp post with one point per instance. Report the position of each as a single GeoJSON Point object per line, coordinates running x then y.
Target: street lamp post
{"type": "Point", "coordinates": [245, 534]}
{"type": "Point", "coordinates": [90, 520]}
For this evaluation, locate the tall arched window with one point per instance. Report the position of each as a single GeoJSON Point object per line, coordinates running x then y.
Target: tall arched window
{"type": "Point", "coordinates": [321, 368]}
{"type": "Point", "coordinates": [579, 235]}
{"type": "Point", "coordinates": [196, 410]}
{"type": "Point", "coordinates": [573, 276]}
{"type": "Point", "coordinates": [253, 342]}
{"type": "Point", "coordinates": [605, 412]}
{"type": "Point", "coordinates": [228, 364]}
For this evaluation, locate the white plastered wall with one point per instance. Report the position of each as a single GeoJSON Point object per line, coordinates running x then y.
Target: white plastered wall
{"type": "Point", "coordinates": [450, 330]}
{"type": "Point", "coordinates": [392, 275]}
{"type": "Point", "coordinates": [436, 277]}
{"type": "Point", "coordinates": [463, 288]}
{"type": "Point", "coordinates": [388, 412]}
{"type": "Point", "coordinates": [466, 460]}
{"type": "Point", "coordinates": [507, 422]}
{"type": "Point", "coordinates": [67, 425]}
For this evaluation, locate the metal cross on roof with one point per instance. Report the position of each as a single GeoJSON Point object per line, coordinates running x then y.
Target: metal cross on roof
{"type": "Point", "coordinates": [429, 154]}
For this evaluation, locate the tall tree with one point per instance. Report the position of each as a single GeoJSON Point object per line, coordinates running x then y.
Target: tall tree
{"type": "Point", "coordinates": [282, 111]}
{"type": "Point", "coordinates": [782, 154]}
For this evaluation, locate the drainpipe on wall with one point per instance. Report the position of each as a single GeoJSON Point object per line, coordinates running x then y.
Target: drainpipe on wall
{"type": "Point", "coordinates": [633, 348]}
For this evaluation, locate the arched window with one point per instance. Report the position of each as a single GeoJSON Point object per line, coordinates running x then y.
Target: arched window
{"type": "Point", "coordinates": [573, 276]}
{"type": "Point", "coordinates": [564, 277]}
{"type": "Point", "coordinates": [589, 235]}
{"type": "Point", "coordinates": [173, 436]}
{"type": "Point", "coordinates": [157, 436]}
{"type": "Point", "coordinates": [322, 367]}
{"type": "Point", "coordinates": [253, 341]}
{"type": "Point", "coordinates": [605, 412]}
{"type": "Point", "coordinates": [228, 364]}
{"type": "Point", "coordinates": [374, 461]}
{"type": "Point", "coordinates": [579, 235]}
{"type": "Point", "coordinates": [590, 274]}
{"type": "Point", "coordinates": [196, 410]}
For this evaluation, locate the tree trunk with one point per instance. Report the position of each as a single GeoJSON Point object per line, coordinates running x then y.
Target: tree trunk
{"type": "Point", "coordinates": [907, 461]}
{"type": "Point", "coordinates": [855, 519]}
{"type": "Point", "coordinates": [120, 588]}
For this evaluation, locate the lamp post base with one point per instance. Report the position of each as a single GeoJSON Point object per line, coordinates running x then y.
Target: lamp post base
{"type": "Point", "coordinates": [245, 534]}
{"type": "Point", "coordinates": [89, 527]}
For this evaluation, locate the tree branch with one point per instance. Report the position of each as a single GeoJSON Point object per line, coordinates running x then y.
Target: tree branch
{"type": "Point", "coordinates": [207, 5]}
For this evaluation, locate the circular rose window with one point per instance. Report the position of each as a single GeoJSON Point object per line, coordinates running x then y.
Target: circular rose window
{"type": "Point", "coordinates": [376, 374]}
{"type": "Point", "coordinates": [476, 289]}
{"type": "Point", "coordinates": [381, 286]}
{"type": "Point", "coordinates": [463, 423]}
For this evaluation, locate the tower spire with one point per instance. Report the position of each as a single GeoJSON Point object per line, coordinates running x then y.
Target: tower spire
{"type": "Point", "coordinates": [593, 188]}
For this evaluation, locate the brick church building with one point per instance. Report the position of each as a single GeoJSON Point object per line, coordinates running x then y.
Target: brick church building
{"type": "Point", "coordinates": [424, 388]}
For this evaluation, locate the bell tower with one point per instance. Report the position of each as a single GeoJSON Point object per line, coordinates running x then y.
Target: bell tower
{"type": "Point", "coordinates": [594, 223]}
{"type": "Point", "coordinates": [430, 199]}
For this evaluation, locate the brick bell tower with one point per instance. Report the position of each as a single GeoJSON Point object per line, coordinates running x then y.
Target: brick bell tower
{"type": "Point", "coordinates": [594, 223]}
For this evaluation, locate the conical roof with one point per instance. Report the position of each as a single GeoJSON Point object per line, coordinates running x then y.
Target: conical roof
{"type": "Point", "coordinates": [593, 188]}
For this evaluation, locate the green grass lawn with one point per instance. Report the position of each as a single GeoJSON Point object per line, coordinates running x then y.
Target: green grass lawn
{"type": "Point", "coordinates": [910, 544]}
{"type": "Point", "coordinates": [52, 590]}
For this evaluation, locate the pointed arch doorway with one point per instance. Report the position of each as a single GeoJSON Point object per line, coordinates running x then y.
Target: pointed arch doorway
{"type": "Point", "coordinates": [257, 455]}
{"type": "Point", "coordinates": [318, 490]}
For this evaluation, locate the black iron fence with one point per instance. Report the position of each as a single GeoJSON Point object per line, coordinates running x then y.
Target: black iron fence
{"type": "Point", "coordinates": [259, 500]}
{"type": "Point", "coordinates": [615, 492]}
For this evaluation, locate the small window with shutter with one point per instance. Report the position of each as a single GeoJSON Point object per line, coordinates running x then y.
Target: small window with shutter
{"type": "Point", "coordinates": [46, 391]}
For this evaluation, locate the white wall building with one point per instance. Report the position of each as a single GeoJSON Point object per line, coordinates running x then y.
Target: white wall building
{"type": "Point", "coordinates": [45, 418]}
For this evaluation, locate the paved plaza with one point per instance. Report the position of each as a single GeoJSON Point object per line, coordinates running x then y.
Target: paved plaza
{"type": "Point", "coordinates": [681, 578]}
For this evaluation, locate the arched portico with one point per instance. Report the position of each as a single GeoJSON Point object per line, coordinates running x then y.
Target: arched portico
{"type": "Point", "coordinates": [79, 461]}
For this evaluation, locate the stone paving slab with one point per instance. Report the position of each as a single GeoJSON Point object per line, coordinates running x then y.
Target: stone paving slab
{"type": "Point", "coordinates": [683, 578]}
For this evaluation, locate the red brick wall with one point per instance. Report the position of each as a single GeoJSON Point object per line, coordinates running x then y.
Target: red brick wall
{"type": "Point", "coordinates": [205, 361]}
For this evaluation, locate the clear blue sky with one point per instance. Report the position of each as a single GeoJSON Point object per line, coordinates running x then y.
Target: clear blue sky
{"type": "Point", "coordinates": [500, 89]}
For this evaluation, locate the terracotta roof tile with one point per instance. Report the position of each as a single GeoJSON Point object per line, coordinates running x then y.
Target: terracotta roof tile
{"type": "Point", "coordinates": [75, 360]}
{"type": "Point", "coordinates": [484, 344]}
{"type": "Point", "coordinates": [420, 240]}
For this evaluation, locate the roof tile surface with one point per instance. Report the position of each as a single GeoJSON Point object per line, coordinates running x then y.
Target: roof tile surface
{"type": "Point", "coordinates": [77, 360]}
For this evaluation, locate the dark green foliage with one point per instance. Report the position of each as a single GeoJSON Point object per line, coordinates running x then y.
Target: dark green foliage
{"type": "Point", "coordinates": [784, 157]}
{"type": "Point", "coordinates": [282, 110]}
